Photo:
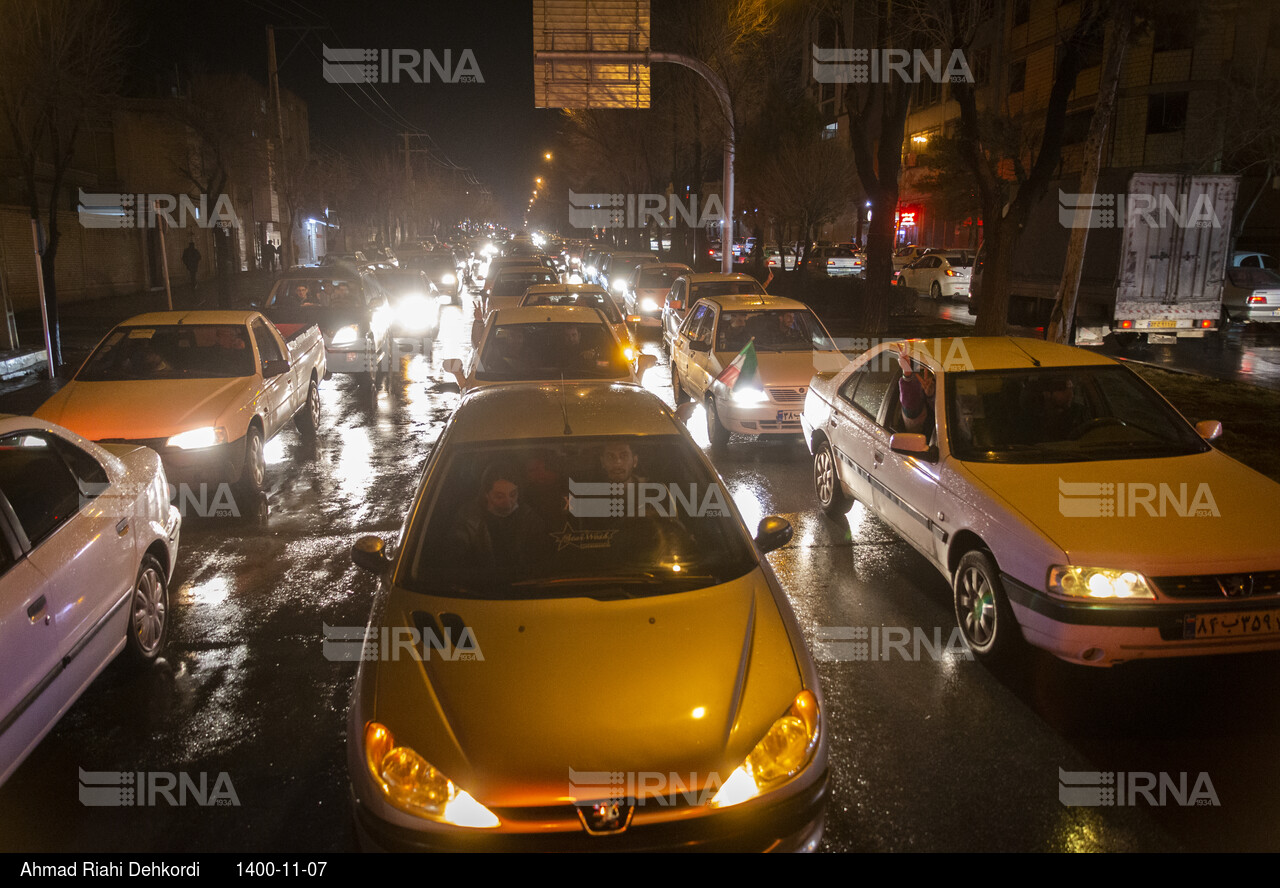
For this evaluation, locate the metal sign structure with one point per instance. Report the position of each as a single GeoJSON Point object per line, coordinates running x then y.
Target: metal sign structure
{"type": "Point", "coordinates": [590, 26]}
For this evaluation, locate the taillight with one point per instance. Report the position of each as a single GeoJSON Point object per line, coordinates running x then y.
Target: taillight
{"type": "Point", "coordinates": [1256, 300]}
{"type": "Point", "coordinates": [1125, 325]}
{"type": "Point", "coordinates": [951, 273]}
{"type": "Point", "coordinates": [1206, 324]}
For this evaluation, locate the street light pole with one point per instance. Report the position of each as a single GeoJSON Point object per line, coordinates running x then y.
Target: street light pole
{"type": "Point", "coordinates": [648, 57]}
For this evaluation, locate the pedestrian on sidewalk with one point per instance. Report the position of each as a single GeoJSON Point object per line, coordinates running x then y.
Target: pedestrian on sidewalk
{"type": "Point", "coordinates": [191, 259]}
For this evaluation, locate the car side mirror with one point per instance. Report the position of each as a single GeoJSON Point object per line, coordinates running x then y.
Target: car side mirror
{"type": "Point", "coordinates": [910, 443]}
{"type": "Point", "coordinates": [370, 553]}
{"type": "Point", "coordinates": [274, 368]}
{"type": "Point", "coordinates": [645, 362]}
{"type": "Point", "coordinates": [773, 533]}
{"type": "Point", "coordinates": [1209, 429]}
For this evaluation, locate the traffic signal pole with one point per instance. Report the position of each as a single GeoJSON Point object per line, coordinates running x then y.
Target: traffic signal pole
{"type": "Point", "coordinates": [648, 57]}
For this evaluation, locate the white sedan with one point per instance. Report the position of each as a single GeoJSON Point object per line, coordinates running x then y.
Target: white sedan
{"type": "Point", "coordinates": [1065, 500]}
{"type": "Point", "coordinates": [87, 545]}
{"type": "Point", "coordinates": [941, 275]}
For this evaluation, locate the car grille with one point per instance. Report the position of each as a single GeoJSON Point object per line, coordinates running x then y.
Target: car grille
{"type": "Point", "coordinates": [1245, 585]}
{"type": "Point", "coordinates": [153, 443]}
{"type": "Point", "coordinates": [788, 395]}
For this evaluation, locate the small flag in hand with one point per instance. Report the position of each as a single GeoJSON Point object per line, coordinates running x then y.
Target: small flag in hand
{"type": "Point", "coordinates": [743, 368]}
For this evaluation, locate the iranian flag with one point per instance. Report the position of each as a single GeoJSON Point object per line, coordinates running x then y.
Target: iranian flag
{"type": "Point", "coordinates": [743, 368]}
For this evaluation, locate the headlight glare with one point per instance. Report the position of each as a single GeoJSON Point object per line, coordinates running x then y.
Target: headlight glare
{"type": "Point", "coordinates": [749, 396]}
{"type": "Point", "coordinates": [197, 438]}
{"type": "Point", "coordinates": [782, 754]}
{"type": "Point", "coordinates": [346, 335]}
{"type": "Point", "coordinates": [1098, 583]}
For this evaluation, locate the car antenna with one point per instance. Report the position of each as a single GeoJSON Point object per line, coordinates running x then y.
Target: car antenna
{"type": "Point", "coordinates": [1034, 362]}
{"type": "Point", "coordinates": [564, 408]}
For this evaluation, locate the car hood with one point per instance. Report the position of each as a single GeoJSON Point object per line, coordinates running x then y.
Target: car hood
{"type": "Point", "coordinates": [143, 409]}
{"type": "Point", "coordinates": [1207, 513]}
{"type": "Point", "coordinates": [788, 368]}
{"type": "Point", "coordinates": [685, 683]}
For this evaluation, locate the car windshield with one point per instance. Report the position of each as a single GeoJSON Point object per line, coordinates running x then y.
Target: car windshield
{"type": "Point", "coordinates": [606, 518]}
{"type": "Point", "coordinates": [1053, 415]}
{"type": "Point", "coordinates": [550, 351]}
{"type": "Point", "coordinates": [189, 351]}
{"type": "Point", "coordinates": [403, 282]}
{"type": "Point", "coordinates": [771, 330]}
{"type": "Point", "coordinates": [315, 293]}
{"type": "Point", "coordinates": [436, 265]}
{"type": "Point", "coordinates": [590, 300]}
{"type": "Point", "coordinates": [657, 278]}
{"type": "Point", "coordinates": [711, 289]}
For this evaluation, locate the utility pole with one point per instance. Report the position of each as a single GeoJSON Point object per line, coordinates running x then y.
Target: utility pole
{"type": "Point", "coordinates": [273, 74]}
{"type": "Point", "coordinates": [648, 57]}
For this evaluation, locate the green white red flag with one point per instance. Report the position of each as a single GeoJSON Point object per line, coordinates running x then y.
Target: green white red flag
{"type": "Point", "coordinates": [744, 368]}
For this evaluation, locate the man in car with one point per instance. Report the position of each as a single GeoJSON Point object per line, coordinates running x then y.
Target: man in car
{"type": "Point", "coordinates": [496, 529]}
{"type": "Point", "coordinates": [1059, 417]}
{"type": "Point", "coordinates": [619, 463]}
{"type": "Point", "coordinates": [915, 394]}
{"type": "Point", "coordinates": [789, 332]}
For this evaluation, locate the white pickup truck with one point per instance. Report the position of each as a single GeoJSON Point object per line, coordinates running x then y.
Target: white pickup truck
{"type": "Point", "coordinates": [205, 389]}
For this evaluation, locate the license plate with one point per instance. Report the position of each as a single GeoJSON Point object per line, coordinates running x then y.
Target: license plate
{"type": "Point", "coordinates": [1163, 324]}
{"type": "Point", "coordinates": [788, 416]}
{"type": "Point", "coordinates": [1231, 625]}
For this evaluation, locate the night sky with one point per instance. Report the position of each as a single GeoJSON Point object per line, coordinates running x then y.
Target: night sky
{"type": "Point", "coordinates": [491, 128]}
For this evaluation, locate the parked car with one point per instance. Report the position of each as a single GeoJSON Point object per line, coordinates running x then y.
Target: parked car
{"type": "Point", "coordinates": [1251, 291]}
{"type": "Point", "coordinates": [549, 343]}
{"type": "Point", "coordinates": [789, 342]}
{"type": "Point", "coordinates": [204, 389]}
{"type": "Point", "coordinates": [689, 288]}
{"type": "Point", "coordinates": [718, 690]}
{"type": "Point", "coordinates": [836, 261]}
{"type": "Point", "coordinates": [941, 275]}
{"type": "Point", "coordinates": [88, 545]}
{"type": "Point", "coordinates": [1066, 502]}
{"type": "Point", "coordinates": [352, 311]}
{"type": "Point", "coordinates": [904, 256]}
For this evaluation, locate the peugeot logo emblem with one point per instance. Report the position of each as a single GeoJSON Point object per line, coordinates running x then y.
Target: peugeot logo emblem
{"type": "Point", "coordinates": [607, 817]}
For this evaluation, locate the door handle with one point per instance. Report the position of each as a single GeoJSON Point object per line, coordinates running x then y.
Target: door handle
{"type": "Point", "coordinates": [877, 457]}
{"type": "Point", "coordinates": [36, 609]}
{"type": "Point", "coordinates": [122, 527]}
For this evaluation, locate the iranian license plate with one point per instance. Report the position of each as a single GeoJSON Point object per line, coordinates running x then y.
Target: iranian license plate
{"type": "Point", "coordinates": [788, 416]}
{"type": "Point", "coordinates": [1231, 625]}
{"type": "Point", "coordinates": [1161, 325]}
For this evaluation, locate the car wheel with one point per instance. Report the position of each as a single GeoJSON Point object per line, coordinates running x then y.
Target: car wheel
{"type": "Point", "coordinates": [716, 431]}
{"type": "Point", "coordinates": [935, 291]}
{"type": "Point", "coordinates": [307, 419]}
{"type": "Point", "coordinates": [682, 396]}
{"type": "Point", "coordinates": [826, 483]}
{"type": "Point", "coordinates": [148, 612]}
{"type": "Point", "coordinates": [253, 477]}
{"type": "Point", "coordinates": [982, 610]}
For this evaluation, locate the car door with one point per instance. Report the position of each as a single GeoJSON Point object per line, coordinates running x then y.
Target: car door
{"type": "Point", "coordinates": [702, 360]}
{"type": "Point", "coordinates": [277, 390]}
{"type": "Point", "coordinates": [75, 532]}
{"type": "Point", "coordinates": [682, 347]}
{"type": "Point", "coordinates": [905, 485]}
{"type": "Point", "coordinates": [855, 420]}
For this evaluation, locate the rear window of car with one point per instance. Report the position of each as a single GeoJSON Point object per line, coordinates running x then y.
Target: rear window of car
{"type": "Point", "coordinates": [590, 300]}
{"type": "Point", "coordinates": [551, 351]}
{"type": "Point", "coordinates": [959, 260]}
{"type": "Point", "coordinates": [575, 531]}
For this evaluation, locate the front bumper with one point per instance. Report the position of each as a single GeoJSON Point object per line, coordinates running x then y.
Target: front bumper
{"type": "Point", "coordinates": [1103, 635]}
{"type": "Point", "coordinates": [768, 418]}
{"type": "Point", "coordinates": [793, 823]}
{"type": "Point", "coordinates": [207, 465]}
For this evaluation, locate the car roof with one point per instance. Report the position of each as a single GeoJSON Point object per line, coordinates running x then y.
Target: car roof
{"type": "Point", "coordinates": [168, 318]}
{"type": "Point", "coordinates": [545, 410]}
{"type": "Point", "coordinates": [755, 300]}
{"type": "Point", "coordinates": [549, 314]}
{"type": "Point", "coordinates": [965, 353]}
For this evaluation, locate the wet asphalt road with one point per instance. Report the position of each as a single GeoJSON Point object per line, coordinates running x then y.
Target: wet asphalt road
{"type": "Point", "coordinates": [936, 753]}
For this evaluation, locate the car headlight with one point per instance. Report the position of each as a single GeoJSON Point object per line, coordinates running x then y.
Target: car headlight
{"type": "Point", "coordinates": [783, 753]}
{"type": "Point", "coordinates": [197, 438]}
{"type": "Point", "coordinates": [749, 396]}
{"type": "Point", "coordinates": [346, 335]}
{"type": "Point", "coordinates": [618, 286]}
{"type": "Point", "coordinates": [448, 279]}
{"type": "Point", "coordinates": [648, 304]}
{"type": "Point", "coordinates": [411, 784]}
{"type": "Point", "coordinates": [1097, 582]}
{"type": "Point", "coordinates": [412, 311]}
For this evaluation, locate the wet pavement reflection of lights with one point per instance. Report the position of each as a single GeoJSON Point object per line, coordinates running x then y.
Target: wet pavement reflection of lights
{"type": "Point", "coordinates": [211, 592]}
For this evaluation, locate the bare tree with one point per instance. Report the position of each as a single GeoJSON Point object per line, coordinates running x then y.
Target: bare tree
{"type": "Point", "coordinates": [1250, 124]}
{"type": "Point", "coordinates": [62, 61]}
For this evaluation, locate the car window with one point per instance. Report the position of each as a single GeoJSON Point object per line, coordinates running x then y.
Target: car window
{"type": "Point", "coordinates": [35, 480]}
{"type": "Point", "coordinates": [188, 351]}
{"type": "Point", "coordinates": [549, 351]}
{"type": "Point", "coordinates": [543, 519]}
{"type": "Point", "coordinates": [866, 387]}
{"type": "Point", "coordinates": [268, 348]}
{"type": "Point", "coordinates": [697, 327]}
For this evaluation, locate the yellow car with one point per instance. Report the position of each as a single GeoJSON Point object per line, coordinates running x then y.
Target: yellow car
{"type": "Point", "coordinates": [577, 645]}
{"type": "Point", "coordinates": [1068, 504]}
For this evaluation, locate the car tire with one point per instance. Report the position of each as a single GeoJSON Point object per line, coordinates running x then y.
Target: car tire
{"type": "Point", "coordinates": [826, 482]}
{"type": "Point", "coordinates": [682, 397]}
{"type": "Point", "coordinates": [935, 292]}
{"type": "Point", "coordinates": [148, 613]}
{"type": "Point", "coordinates": [716, 431]}
{"type": "Point", "coordinates": [982, 611]}
{"type": "Point", "coordinates": [307, 420]}
{"type": "Point", "coordinates": [253, 477]}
